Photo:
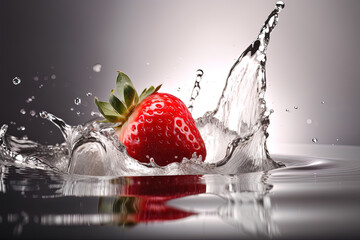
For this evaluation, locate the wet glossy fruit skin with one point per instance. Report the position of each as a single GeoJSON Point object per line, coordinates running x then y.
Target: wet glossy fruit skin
{"type": "Point", "coordinates": [161, 127]}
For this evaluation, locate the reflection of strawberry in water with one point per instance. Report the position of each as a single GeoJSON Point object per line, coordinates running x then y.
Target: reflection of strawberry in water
{"type": "Point", "coordinates": [143, 199]}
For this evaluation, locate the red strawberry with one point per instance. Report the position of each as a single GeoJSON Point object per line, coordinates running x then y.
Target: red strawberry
{"type": "Point", "coordinates": [152, 125]}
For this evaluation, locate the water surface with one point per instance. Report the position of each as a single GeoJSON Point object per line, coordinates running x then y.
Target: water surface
{"type": "Point", "coordinates": [312, 198]}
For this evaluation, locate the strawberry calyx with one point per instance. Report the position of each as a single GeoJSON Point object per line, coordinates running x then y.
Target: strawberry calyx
{"type": "Point", "coordinates": [118, 110]}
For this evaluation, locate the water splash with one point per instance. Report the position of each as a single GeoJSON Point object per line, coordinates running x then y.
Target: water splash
{"type": "Point", "coordinates": [235, 132]}
{"type": "Point", "coordinates": [242, 109]}
{"type": "Point", "coordinates": [242, 102]}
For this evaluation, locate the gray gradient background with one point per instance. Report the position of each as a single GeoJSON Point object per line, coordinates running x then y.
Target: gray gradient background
{"type": "Point", "coordinates": [313, 56]}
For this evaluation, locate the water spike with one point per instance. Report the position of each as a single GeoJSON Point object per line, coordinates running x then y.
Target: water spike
{"type": "Point", "coordinates": [269, 25]}
{"type": "Point", "coordinates": [64, 128]}
{"type": "Point", "coordinates": [196, 89]}
{"type": "Point", "coordinates": [3, 130]}
{"type": "Point", "coordinates": [237, 110]}
{"type": "Point", "coordinates": [242, 106]}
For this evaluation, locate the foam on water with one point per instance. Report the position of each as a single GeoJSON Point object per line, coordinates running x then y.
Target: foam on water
{"type": "Point", "coordinates": [235, 132]}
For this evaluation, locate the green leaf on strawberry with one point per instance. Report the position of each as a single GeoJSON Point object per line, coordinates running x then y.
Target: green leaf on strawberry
{"type": "Point", "coordinates": [108, 111]}
{"type": "Point", "coordinates": [121, 81]}
{"type": "Point", "coordinates": [118, 105]}
{"type": "Point", "coordinates": [152, 125]}
{"type": "Point", "coordinates": [118, 110]}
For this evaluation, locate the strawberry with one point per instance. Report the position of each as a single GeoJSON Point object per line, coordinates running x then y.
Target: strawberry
{"type": "Point", "coordinates": [152, 125]}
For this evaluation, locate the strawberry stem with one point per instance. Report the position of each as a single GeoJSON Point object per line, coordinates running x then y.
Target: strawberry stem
{"type": "Point", "coordinates": [118, 110]}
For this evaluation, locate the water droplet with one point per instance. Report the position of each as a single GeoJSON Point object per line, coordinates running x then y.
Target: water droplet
{"type": "Point", "coordinates": [21, 128]}
{"type": "Point", "coordinates": [71, 109]}
{"type": "Point", "coordinates": [29, 100]}
{"type": "Point", "coordinates": [53, 76]}
{"type": "Point", "coordinates": [25, 137]}
{"type": "Point", "coordinates": [22, 111]}
{"type": "Point", "coordinates": [33, 97]}
{"type": "Point", "coordinates": [95, 114]}
{"type": "Point", "coordinates": [287, 110]}
{"type": "Point", "coordinates": [36, 78]}
{"type": "Point", "coordinates": [153, 163]}
{"type": "Point", "coordinates": [280, 5]}
{"type": "Point", "coordinates": [16, 81]}
{"type": "Point", "coordinates": [147, 63]}
{"type": "Point", "coordinates": [308, 121]}
{"type": "Point", "coordinates": [337, 139]}
{"type": "Point", "coordinates": [178, 89]}
{"type": "Point", "coordinates": [89, 94]}
{"type": "Point", "coordinates": [322, 102]}
{"type": "Point", "coordinates": [32, 113]}
{"type": "Point", "coordinates": [41, 86]}
{"type": "Point", "coordinates": [78, 113]}
{"type": "Point", "coordinates": [43, 114]}
{"type": "Point", "coordinates": [97, 67]}
{"type": "Point", "coordinates": [13, 123]}
{"type": "Point", "coordinates": [314, 140]}
{"type": "Point", "coordinates": [272, 111]}
{"type": "Point", "coordinates": [199, 73]}
{"type": "Point", "coordinates": [296, 107]}
{"type": "Point", "coordinates": [77, 101]}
